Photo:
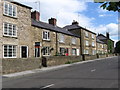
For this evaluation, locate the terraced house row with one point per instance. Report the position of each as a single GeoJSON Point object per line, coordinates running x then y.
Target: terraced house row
{"type": "Point", "coordinates": [23, 35]}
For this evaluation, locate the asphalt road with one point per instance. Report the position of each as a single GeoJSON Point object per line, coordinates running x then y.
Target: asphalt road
{"type": "Point", "coordinates": [97, 74]}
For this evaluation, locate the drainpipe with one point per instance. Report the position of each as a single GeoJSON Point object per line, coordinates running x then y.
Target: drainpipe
{"type": "Point", "coordinates": [56, 43]}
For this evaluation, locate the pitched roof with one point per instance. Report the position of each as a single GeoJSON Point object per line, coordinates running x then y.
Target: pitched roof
{"type": "Point", "coordinates": [50, 27]}
{"type": "Point", "coordinates": [15, 2]}
{"type": "Point", "coordinates": [101, 37]}
{"type": "Point", "coordinates": [76, 26]}
{"type": "Point", "coordinates": [99, 41]}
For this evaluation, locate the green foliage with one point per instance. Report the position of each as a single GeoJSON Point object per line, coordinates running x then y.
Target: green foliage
{"type": "Point", "coordinates": [109, 5]}
{"type": "Point", "coordinates": [117, 48]}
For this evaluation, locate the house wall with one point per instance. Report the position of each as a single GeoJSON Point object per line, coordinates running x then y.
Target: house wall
{"type": "Point", "coordinates": [23, 23]}
{"type": "Point", "coordinates": [1, 30]}
{"type": "Point", "coordinates": [68, 43]}
{"type": "Point", "coordinates": [37, 37]}
{"type": "Point", "coordinates": [90, 48]}
{"type": "Point", "coordinates": [100, 49]}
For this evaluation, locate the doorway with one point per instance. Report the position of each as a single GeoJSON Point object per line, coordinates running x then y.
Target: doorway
{"type": "Point", "coordinates": [24, 51]}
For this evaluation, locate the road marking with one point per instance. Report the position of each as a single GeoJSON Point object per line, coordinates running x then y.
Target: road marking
{"type": "Point", "coordinates": [48, 86]}
{"type": "Point", "coordinates": [93, 70]}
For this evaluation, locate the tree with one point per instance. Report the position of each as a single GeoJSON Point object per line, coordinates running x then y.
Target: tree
{"type": "Point", "coordinates": [110, 6]}
{"type": "Point", "coordinates": [117, 48]}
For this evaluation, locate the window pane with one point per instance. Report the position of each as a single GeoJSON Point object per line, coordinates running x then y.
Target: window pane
{"type": "Point", "coordinates": [10, 29]}
{"type": "Point", "coordinates": [10, 10]}
{"type": "Point", "coordinates": [14, 11]}
{"type": "Point", "coordinates": [6, 8]}
{"type": "Point", "coordinates": [5, 28]}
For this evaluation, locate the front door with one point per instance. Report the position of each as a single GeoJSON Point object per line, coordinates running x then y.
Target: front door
{"type": "Point", "coordinates": [24, 51]}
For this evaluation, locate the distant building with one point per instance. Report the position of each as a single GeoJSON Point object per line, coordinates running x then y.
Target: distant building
{"type": "Point", "coordinates": [106, 39]}
{"type": "Point", "coordinates": [88, 38]}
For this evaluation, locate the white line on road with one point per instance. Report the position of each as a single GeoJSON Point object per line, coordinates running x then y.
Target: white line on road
{"type": "Point", "coordinates": [48, 86]}
{"type": "Point", "coordinates": [93, 70]}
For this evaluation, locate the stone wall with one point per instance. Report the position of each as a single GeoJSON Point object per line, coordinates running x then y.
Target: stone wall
{"type": "Point", "coordinates": [57, 60]}
{"type": "Point", "coordinates": [89, 57]}
{"type": "Point", "coordinates": [17, 65]}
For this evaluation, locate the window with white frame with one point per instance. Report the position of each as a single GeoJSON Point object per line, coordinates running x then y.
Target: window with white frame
{"type": "Point", "coordinates": [73, 40]}
{"type": "Point", "coordinates": [74, 52]}
{"type": "Point", "coordinates": [92, 36]}
{"type": "Point", "coordinates": [86, 34]}
{"type": "Point", "coordinates": [102, 46]}
{"type": "Point", "coordinates": [46, 51]}
{"type": "Point", "coordinates": [46, 35]}
{"type": "Point", "coordinates": [87, 43]}
{"type": "Point", "coordinates": [10, 10]}
{"type": "Point", "coordinates": [61, 38]}
{"type": "Point", "coordinates": [93, 52]}
{"type": "Point", "coordinates": [86, 51]}
{"type": "Point", "coordinates": [9, 30]}
{"type": "Point", "coordinates": [93, 43]}
{"type": "Point", "coordinates": [9, 51]}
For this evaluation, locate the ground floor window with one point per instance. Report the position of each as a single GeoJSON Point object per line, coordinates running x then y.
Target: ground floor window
{"type": "Point", "coordinates": [62, 51]}
{"type": "Point", "coordinates": [46, 50]}
{"type": "Point", "coordinates": [24, 51]}
{"type": "Point", "coordinates": [9, 51]}
{"type": "Point", "coordinates": [74, 51]}
{"type": "Point", "coordinates": [93, 52]}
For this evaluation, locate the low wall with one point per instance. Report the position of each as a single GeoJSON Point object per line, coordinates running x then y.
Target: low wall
{"type": "Point", "coordinates": [89, 57]}
{"type": "Point", "coordinates": [17, 65]}
{"type": "Point", "coordinates": [57, 60]}
{"type": "Point", "coordinates": [102, 56]}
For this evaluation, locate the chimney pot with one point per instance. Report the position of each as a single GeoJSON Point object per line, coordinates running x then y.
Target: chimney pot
{"type": "Point", "coordinates": [35, 15]}
{"type": "Point", "coordinates": [52, 21]}
{"type": "Point", "coordinates": [75, 22]}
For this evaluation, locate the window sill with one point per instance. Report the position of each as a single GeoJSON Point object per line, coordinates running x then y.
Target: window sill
{"type": "Point", "coordinates": [46, 40]}
{"type": "Point", "coordinates": [9, 57]}
{"type": "Point", "coordinates": [15, 17]}
{"type": "Point", "coordinates": [62, 42]}
{"type": "Point", "coordinates": [10, 36]}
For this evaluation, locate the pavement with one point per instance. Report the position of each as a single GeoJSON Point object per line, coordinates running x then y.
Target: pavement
{"type": "Point", "coordinates": [48, 68]}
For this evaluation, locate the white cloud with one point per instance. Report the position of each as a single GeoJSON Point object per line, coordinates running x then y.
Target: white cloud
{"type": "Point", "coordinates": [66, 11]}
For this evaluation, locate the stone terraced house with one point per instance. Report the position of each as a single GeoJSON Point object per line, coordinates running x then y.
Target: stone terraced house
{"type": "Point", "coordinates": [101, 46]}
{"type": "Point", "coordinates": [23, 35]}
{"type": "Point", "coordinates": [88, 38]}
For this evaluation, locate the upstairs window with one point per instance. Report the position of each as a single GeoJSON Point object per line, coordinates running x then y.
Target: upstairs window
{"type": "Point", "coordinates": [61, 38]}
{"type": "Point", "coordinates": [73, 40]}
{"type": "Point", "coordinates": [92, 36]}
{"type": "Point", "coordinates": [10, 10]}
{"type": "Point", "coordinates": [46, 35]}
{"type": "Point", "coordinates": [86, 34]}
{"type": "Point", "coordinates": [9, 30]}
{"type": "Point", "coordinates": [93, 43]}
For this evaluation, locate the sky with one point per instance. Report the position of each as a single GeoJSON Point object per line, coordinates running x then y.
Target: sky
{"type": "Point", "coordinates": [87, 13]}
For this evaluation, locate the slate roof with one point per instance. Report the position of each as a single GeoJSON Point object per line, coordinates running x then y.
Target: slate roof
{"type": "Point", "coordinates": [101, 37]}
{"type": "Point", "coordinates": [76, 26]}
{"type": "Point", "coordinates": [15, 2]}
{"type": "Point", "coordinates": [99, 41]}
{"type": "Point", "coordinates": [50, 27]}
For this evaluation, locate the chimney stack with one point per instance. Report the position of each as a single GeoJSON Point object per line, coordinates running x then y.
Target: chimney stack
{"type": "Point", "coordinates": [75, 22]}
{"type": "Point", "coordinates": [52, 21]}
{"type": "Point", "coordinates": [107, 35]}
{"type": "Point", "coordinates": [35, 15]}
